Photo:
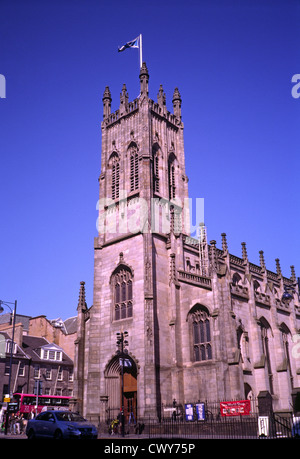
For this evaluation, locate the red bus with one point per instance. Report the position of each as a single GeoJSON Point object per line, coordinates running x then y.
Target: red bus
{"type": "Point", "coordinates": [27, 403]}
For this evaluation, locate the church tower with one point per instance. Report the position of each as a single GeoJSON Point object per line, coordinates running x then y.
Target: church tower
{"type": "Point", "coordinates": [143, 198]}
{"type": "Point", "coordinates": [200, 323]}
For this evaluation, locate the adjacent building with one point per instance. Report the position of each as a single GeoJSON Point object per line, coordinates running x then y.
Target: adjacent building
{"type": "Point", "coordinates": [35, 357]}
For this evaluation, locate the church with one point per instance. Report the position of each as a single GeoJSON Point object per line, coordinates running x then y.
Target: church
{"type": "Point", "coordinates": [173, 317]}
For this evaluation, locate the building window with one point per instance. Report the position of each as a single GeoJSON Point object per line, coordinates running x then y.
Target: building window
{"type": "Point", "coordinates": [134, 169]}
{"type": "Point", "coordinates": [36, 372]}
{"type": "Point", "coordinates": [60, 374]}
{"type": "Point", "coordinates": [155, 169]}
{"type": "Point", "coordinates": [122, 288]}
{"type": "Point", "coordinates": [115, 175]}
{"type": "Point", "coordinates": [71, 375]}
{"type": "Point", "coordinates": [51, 355]}
{"type": "Point", "coordinates": [8, 347]}
{"type": "Point", "coordinates": [171, 177]}
{"type": "Point", "coordinates": [200, 320]}
{"type": "Point", "coordinates": [48, 374]}
{"type": "Point", "coordinates": [265, 330]}
{"type": "Point", "coordinates": [285, 334]}
{"type": "Point", "coordinates": [21, 371]}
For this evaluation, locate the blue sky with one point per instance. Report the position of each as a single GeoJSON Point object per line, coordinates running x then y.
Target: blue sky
{"type": "Point", "coordinates": [232, 61]}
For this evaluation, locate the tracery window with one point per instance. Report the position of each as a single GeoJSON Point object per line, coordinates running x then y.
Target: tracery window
{"type": "Point", "coordinates": [134, 168]}
{"type": "Point", "coordinates": [200, 320]}
{"type": "Point", "coordinates": [155, 169]}
{"type": "Point", "coordinates": [115, 176]}
{"type": "Point", "coordinates": [285, 336]}
{"type": "Point", "coordinates": [265, 331]}
{"type": "Point", "coordinates": [122, 291]}
{"type": "Point", "coordinates": [171, 177]}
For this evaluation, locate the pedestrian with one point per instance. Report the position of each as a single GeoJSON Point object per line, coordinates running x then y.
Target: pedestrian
{"type": "Point", "coordinates": [12, 424]}
{"type": "Point", "coordinates": [21, 422]}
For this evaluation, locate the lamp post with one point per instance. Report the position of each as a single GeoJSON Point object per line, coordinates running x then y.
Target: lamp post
{"type": "Point", "coordinates": [7, 303]}
{"type": "Point", "coordinates": [287, 297]}
{"type": "Point", "coordinates": [122, 352]}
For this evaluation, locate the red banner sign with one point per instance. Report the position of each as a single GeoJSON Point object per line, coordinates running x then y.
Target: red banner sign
{"type": "Point", "coordinates": [236, 408]}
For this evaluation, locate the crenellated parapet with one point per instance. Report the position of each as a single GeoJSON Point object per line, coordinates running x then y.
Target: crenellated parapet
{"type": "Point", "coordinates": [127, 108]}
{"type": "Point", "coordinates": [270, 289]}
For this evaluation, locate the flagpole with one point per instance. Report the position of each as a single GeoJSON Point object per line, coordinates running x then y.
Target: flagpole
{"type": "Point", "coordinates": [141, 52]}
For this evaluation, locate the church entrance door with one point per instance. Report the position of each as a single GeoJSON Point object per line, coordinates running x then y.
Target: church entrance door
{"type": "Point", "coordinates": [130, 397]}
{"type": "Point", "coordinates": [113, 388]}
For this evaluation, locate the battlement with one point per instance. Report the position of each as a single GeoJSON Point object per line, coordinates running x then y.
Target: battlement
{"type": "Point", "coordinates": [127, 108]}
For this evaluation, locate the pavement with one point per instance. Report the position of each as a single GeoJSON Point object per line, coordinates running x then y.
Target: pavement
{"type": "Point", "coordinates": [102, 435]}
{"type": "Point", "coordinates": [10, 436]}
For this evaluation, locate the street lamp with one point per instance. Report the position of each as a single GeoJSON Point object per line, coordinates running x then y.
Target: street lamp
{"type": "Point", "coordinates": [287, 297]}
{"type": "Point", "coordinates": [7, 303]}
{"type": "Point", "coordinates": [122, 352]}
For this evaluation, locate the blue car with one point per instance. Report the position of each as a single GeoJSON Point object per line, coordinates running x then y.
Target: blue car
{"type": "Point", "coordinates": [60, 424]}
{"type": "Point", "coordinates": [296, 430]}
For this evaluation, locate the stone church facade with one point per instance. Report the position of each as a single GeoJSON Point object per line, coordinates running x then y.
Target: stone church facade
{"type": "Point", "coordinates": [202, 324]}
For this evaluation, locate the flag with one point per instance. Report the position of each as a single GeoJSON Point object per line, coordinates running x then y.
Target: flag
{"type": "Point", "coordinates": [131, 44]}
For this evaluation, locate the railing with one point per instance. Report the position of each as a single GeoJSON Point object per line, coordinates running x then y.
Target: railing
{"type": "Point", "coordinates": [211, 428]}
{"type": "Point", "coordinates": [172, 423]}
{"type": "Point", "coordinates": [115, 116]}
{"type": "Point", "coordinates": [156, 108]}
{"type": "Point", "coordinates": [192, 278]}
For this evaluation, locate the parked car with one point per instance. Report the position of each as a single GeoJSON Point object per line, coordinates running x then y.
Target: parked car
{"type": "Point", "coordinates": [60, 424]}
{"type": "Point", "coordinates": [296, 429]}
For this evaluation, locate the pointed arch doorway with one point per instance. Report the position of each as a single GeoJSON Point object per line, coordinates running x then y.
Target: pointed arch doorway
{"type": "Point", "coordinates": [113, 387]}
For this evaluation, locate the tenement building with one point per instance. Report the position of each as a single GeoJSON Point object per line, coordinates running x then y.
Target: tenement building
{"type": "Point", "coordinates": [202, 324]}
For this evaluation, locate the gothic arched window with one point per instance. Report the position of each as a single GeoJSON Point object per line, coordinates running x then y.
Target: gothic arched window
{"type": "Point", "coordinates": [200, 321]}
{"type": "Point", "coordinates": [265, 331]}
{"type": "Point", "coordinates": [155, 168]}
{"type": "Point", "coordinates": [122, 293]}
{"type": "Point", "coordinates": [115, 175]}
{"type": "Point", "coordinates": [171, 176]}
{"type": "Point", "coordinates": [134, 168]}
{"type": "Point", "coordinates": [286, 338]}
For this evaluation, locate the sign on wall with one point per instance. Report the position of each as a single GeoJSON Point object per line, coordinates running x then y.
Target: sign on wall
{"type": "Point", "coordinates": [263, 426]}
{"type": "Point", "coordinates": [189, 412]}
{"type": "Point", "coordinates": [200, 411]}
{"type": "Point", "coordinates": [235, 408]}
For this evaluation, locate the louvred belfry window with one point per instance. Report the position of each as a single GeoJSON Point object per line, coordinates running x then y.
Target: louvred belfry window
{"type": "Point", "coordinates": [134, 169]}
{"type": "Point", "coordinates": [122, 285]}
{"type": "Point", "coordinates": [156, 173]}
{"type": "Point", "coordinates": [155, 167]}
{"type": "Point", "coordinates": [171, 177]}
{"type": "Point", "coordinates": [115, 176]}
